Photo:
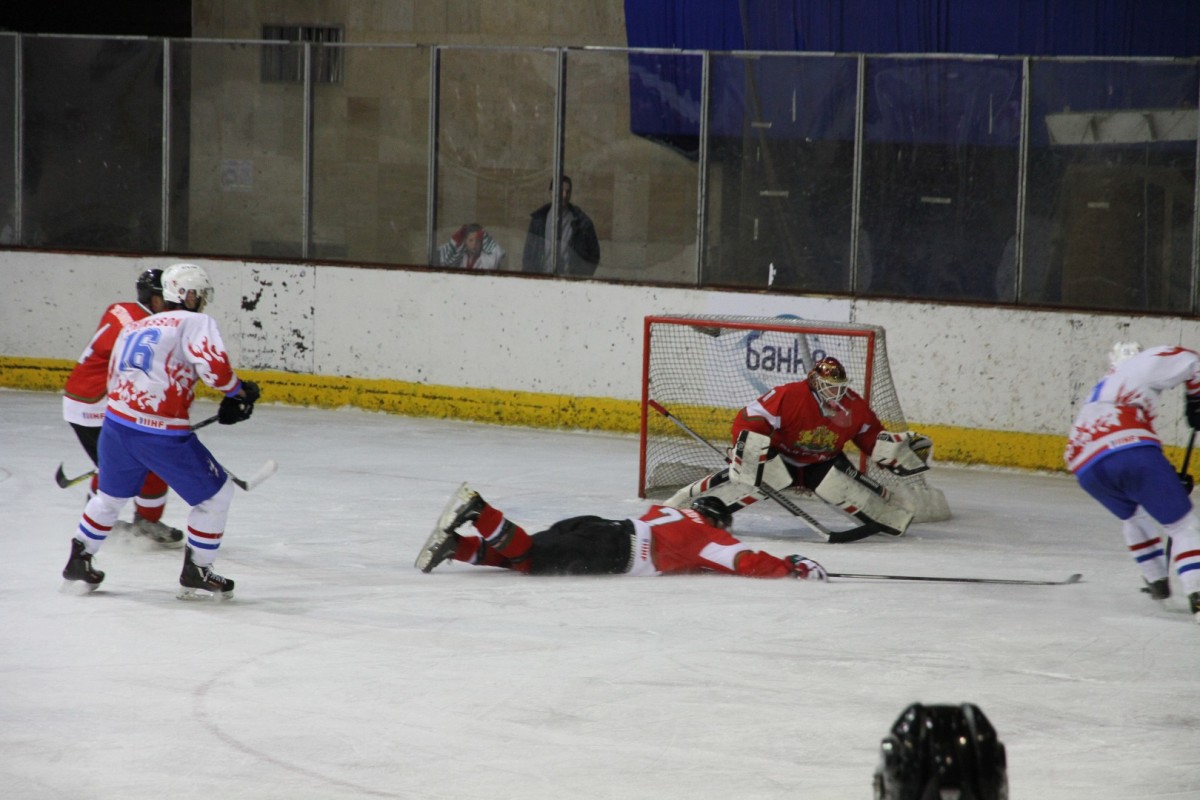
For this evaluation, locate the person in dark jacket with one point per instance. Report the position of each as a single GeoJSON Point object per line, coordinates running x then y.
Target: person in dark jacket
{"type": "Point", "coordinates": [579, 249]}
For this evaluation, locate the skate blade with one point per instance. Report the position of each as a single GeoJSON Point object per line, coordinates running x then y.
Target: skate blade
{"type": "Point", "coordinates": [446, 518]}
{"type": "Point", "coordinates": [78, 588]}
{"type": "Point", "coordinates": [190, 594]}
{"type": "Point", "coordinates": [169, 544]}
{"type": "Point", "coordinates": [435, 541]}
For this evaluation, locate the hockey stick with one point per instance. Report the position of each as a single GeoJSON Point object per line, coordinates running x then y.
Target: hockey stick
{"type": "Point", "coordinates": [61, 479]}
{"type": "Point", "coordinates": [1184, 477]}
{"type": "Point", "coordinates": [833, 537]}
{"type": "Point", "coordinates": [204, 422]}
{"type": "Point", "coordinates": [1075, 578]}
{"type": "Point", "coordinates": [264, 472]}
{"type": "Point", "coordinates": [64, 482]}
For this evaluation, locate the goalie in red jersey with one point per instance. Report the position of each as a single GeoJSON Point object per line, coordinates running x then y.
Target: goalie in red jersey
{"type": "Point", "coordinates": [662, 541]}
{"type": "Point", "coordinates": [795, 434]}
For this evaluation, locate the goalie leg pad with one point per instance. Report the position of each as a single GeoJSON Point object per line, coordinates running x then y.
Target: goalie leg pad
{"type": "Point", "coordinates": [856, 494]}
{"type": "Point", "coordinates": [902, 453]}
{"type": "Point", "coordinates": [734, 494]}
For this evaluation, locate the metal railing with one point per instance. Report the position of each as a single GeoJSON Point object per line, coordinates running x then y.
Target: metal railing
{"type": "Point", "coordinates": [1043, 182]}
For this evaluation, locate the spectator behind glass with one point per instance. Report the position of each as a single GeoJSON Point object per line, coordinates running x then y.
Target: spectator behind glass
{"type": "Point", "coordinates": [471, 247]}
{"type": "Point", "coordinates": [579, 249]}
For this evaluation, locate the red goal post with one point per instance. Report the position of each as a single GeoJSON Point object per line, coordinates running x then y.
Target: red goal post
{"type": "Point", "coordinates": [703, 369]}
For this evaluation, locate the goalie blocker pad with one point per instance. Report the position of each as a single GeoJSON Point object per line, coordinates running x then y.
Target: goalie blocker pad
{"type": "Point", "coordinates": [752, 463]}
{"type": "Point", "coordinates": [858, 495]}
{"type": "Point", "coordinates": [902, 453]}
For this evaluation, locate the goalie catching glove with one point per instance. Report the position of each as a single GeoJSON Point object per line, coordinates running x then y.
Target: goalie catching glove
{"type": "Point", "coordinates": [234, 409]}
{"type": "Point", "coordinates": [806, 569]}
{"type": "Point", "coordinates": [902, 453]}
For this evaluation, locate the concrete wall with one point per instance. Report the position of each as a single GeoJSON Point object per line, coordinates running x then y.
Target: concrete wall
{"type": "Point", "coordinates": [994, 386]}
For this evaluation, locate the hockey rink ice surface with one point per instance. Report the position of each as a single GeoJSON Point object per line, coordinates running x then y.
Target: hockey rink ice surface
{"type": "Point", "coordinates": [340, 671]}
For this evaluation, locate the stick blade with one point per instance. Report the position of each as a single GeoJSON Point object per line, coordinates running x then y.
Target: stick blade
{"type": "Point", "coordinates": [852, 534]}
{"type": "Point", "coordinates": [264, 472]}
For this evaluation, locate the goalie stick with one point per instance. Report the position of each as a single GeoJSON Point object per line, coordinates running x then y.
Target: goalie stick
{"type": "Point", "coordinates": [1074, 578]}
{"type": "Point", "coordinates": [833, 537]}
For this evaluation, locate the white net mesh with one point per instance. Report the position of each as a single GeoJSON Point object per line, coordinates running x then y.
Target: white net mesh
{"type": "Point", "coordinates": [704, 369]}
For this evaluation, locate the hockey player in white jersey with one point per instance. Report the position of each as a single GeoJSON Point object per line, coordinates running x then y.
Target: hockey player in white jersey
{"type": "Point", "coordinates": [1116, 455]}
{"type": "Point", "coordinates": [152, 375]}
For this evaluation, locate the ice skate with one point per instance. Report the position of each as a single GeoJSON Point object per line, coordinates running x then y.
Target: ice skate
{"type": "Point", "coordinates": [464, 506]}
{"type": "Point", "coordinates": [1158, 590]}
{"type": "Point", "coordinates": [201, 583]}
{"type": "Point", "coordinates": [158, 532]}
{"type": "Point", "coordinates": [78, 574]}
{"type": "Point", "coordinates": [440, 545]}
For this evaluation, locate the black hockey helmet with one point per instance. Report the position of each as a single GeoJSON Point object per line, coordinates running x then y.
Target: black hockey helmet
{"type": "Point", "coordinates": [149, 283]}
{"type": "Point", "coordinates": [936, 750]}
{"type": "Point", "coordinates": [714, 510]}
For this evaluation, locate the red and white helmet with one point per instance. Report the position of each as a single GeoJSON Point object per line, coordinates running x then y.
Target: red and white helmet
{"type": "Point", "coordinates": [828, 380]}
{"type": "Point", "coordinates": [180, 279]}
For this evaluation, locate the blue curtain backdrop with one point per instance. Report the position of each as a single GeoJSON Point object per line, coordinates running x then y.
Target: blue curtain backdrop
{"type": "Point", "coordinates": [998, 27]}
{"type": "Point", "coordinates": [665, 89]}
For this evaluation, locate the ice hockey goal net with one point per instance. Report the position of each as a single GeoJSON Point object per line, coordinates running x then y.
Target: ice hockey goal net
{"type": "Point", "coordinates": [703, 369]}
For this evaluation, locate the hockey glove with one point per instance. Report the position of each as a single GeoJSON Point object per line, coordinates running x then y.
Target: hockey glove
{"type": "Point", "coordinates": [1193, 411]}
{"type": "Point", "coordinates": [902, 453]}
{"type": "Point", "coordinates": [806, 569]}
{"type": "Point", "coordinates": [238, 409]}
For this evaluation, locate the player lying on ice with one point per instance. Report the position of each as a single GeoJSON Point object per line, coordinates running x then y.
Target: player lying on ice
{"type": "Point", "coordinates": [662, 541]}
{"type": "Point", "coordinates": [1117, 457]}
{"type": "Point", "coordinates": [794, 435]}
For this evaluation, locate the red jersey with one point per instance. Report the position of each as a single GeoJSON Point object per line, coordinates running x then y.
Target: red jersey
{"type": "Point", "coordinates": [85, 396]}
{"type": "Point", "coordinates": [801, 432]}
{"type": "Point", "coordinates": [674, 540]}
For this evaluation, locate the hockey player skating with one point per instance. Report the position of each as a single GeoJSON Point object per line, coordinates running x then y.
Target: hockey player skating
{"type": "Point", "coordinates": [151, 380]}
{"type": "Point", "coordinates": [1116, 455]}
{"type": "Point", "coordinates": [795, 434]}
{"type": "Point", "coordinates": [85, 400]}
{"type": "Point", "coordinates": [662, 541]}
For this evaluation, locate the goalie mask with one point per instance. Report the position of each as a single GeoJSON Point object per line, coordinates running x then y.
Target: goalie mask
{"type": "Point", "coordinates": [942, 751]}
{"type": "Point", "coordinates": [828, 381]}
